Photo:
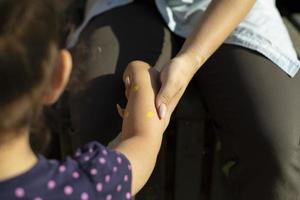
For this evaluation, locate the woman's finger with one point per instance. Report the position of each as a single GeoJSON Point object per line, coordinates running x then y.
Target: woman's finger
{"type": "Point", "coordinates": [174, 102]}
{"type": "Point", "coordinates": [166, 93]}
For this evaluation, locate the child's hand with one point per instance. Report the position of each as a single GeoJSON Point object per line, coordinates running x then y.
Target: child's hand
{"type": "Point", "coordinates": [142, 129]}
{"type": "Point", "coordinates": [141, 83]}
{"type": "Point", "coordinates": [137, 69]}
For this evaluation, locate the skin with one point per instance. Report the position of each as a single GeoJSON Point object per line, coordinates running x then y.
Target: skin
{"type": "Point", "coordinates": [141, 133]}
{"type": "Point", "coordinates": [15, 165]}
{"type": "Point", "coordinates": [142, 129]}
{"type": "Point", "coordinates": [219, 20]}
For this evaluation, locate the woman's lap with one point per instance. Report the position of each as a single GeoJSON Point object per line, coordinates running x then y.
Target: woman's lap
{"type": "Point", "coordinates": [255, 108]}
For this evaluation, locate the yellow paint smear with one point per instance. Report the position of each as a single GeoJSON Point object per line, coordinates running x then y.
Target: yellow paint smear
{"type": "Point", "coordinates": [136, 88]}
{"type": "Point", "coordinates": [126, 114]}
{"type": "Point", "coordinates": [150, 114]}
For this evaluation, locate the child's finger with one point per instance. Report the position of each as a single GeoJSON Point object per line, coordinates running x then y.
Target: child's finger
{"type": "Point", "coordinates": [120, 111]}
{"type": "Point", "coordinates": [127, 86]}
{"type": "Point", "coordinates": [127, 93]}
{"type": "Point", "coordinates": [127, 81]}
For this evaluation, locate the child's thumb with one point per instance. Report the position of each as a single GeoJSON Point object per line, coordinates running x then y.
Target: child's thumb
{"type": "Point", "coordinates": [120, 111]}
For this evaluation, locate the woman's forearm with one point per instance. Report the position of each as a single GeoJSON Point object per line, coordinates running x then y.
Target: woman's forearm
{"type": "Point", "coordinates": [219, 20]}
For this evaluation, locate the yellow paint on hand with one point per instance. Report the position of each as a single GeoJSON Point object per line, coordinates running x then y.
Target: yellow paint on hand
{"type": "Point", "coordinates": [136, 88]}
{"type": "Point", "coordinates": [150, 114]}
{"type": "Point", "coordinates": [126, 114]}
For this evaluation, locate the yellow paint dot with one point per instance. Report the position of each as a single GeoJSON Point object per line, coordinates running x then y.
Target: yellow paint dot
{"type": "Point", "coordinates": [136, 88]}
{"type": "Point", "coordinates": [126, 114]}
{"type": "Point", "coordinates": [150, 114]}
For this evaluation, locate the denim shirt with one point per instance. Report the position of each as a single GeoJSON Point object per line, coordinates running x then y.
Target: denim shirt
{"type": "Point", "coordinates": [261, 30]}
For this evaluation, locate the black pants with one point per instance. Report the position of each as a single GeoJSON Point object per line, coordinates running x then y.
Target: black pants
{"type": "Point", "coordinates": [255, 106]}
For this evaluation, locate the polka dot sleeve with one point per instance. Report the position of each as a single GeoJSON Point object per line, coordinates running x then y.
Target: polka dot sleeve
{"type": "Point", "coordinates": [109, 171]}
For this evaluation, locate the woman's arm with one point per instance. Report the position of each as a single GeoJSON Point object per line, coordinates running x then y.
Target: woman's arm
{"type": "Point", "coordinates": [219, 20]}
{"type": "Point", "coordinates": [142, 129]}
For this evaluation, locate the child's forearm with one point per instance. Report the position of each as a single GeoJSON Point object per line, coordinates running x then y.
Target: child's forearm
{"type": "Point", "coordinates": [142, 153]}
{"type": "Point", "coordinates": [142, 129]}
{"type": "Point", "coordinates": [140, 115]}
{"type": "Point", "coordinates": [219, 20]}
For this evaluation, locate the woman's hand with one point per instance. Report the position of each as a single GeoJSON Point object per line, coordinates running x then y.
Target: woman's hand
{"type": "Point", "coordinates": [218, 21]}
{"type": "Point", "coordinates": [174, 77]}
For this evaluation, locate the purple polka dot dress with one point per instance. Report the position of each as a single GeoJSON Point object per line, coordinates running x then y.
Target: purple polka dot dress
{"type": "Point", "coordinates": [94, 173]}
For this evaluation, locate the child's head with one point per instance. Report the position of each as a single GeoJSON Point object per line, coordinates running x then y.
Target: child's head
{"type": "Point", "coordinates": [33, 71]}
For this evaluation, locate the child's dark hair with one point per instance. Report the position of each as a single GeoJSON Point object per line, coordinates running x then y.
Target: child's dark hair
{"type": "Point", "coordinates": [29, 38]}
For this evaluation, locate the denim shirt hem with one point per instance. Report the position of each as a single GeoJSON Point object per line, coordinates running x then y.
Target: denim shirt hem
{"type": "Point", "coordinates": [246, 38]}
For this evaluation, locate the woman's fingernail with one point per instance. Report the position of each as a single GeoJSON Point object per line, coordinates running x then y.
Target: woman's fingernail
{"type": "Point", "coordinates": [162, 110]}
{"type": "Point", "coordinates": [127, 81]}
